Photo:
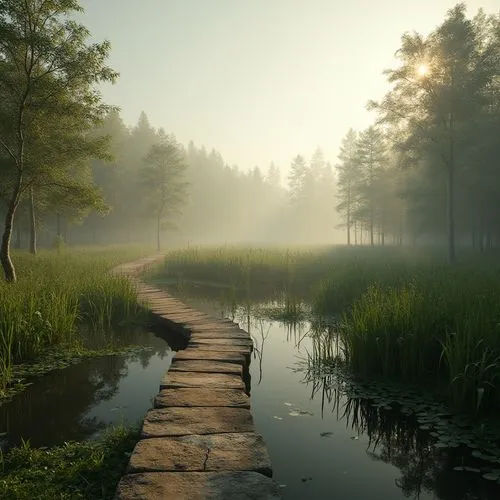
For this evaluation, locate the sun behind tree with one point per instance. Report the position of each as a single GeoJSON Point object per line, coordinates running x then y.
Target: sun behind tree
{"type": "Point", "coordinates": [422, 70]}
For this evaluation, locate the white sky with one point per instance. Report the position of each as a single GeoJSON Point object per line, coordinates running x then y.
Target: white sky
{"type": "Point", "coordinates": [259, 80]}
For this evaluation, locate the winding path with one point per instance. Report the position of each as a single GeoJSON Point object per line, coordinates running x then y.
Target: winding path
{"type": "Point", "coordinates": [199, 440]}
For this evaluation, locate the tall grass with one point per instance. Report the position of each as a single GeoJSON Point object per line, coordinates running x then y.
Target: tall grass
{"type": "Point", "coordinates": [404, 314]}
{"type": "Point", "coordinates": [442, 326]}
{"type": "Point", "coordinates": [57, 295]}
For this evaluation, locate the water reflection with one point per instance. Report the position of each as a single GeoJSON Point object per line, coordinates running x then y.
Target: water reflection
{"type": "Point", "coordinates": [78, 402]}
{"type": "Point", "coordinates": [396, 439]}
{"type": "Point", "coordinates": [323, 442]}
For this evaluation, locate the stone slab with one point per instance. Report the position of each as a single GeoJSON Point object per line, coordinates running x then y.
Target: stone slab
{"type": "Point", "coordinates": [196, 396]}
{"type": "Point", "coordinates": [218, 334]}
{"type": "Point", "coordinates": [204, 366]}
{"type": "Point", "coordinates": [235, 342]}
{"type": "Point", "coordinates": [244, 451]}
{"type": "Point", "coordinates": [206, 380]}
{"type": "Point", "coordinates": [198, 486]}
{"type": "Point", "coordinates": [205, 325]}
{"type": "Point", "coordinates": [220, 348]}
{"type": "Point", "coordinates": [166, 422]}
{"type": "Point", "coordinates": [225, 357]}
{"type": "Point", "coordinates": [187, 317]}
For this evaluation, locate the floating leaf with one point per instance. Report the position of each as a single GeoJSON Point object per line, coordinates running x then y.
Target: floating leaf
{"type": "Point", "coordinates": [491, 476]}
{"type": "Point", "coordinates": [466, 468]}
{"type": "Point", "coordinates": [278, 418]}
{"type": "Point", "coordinates": [326, 434]}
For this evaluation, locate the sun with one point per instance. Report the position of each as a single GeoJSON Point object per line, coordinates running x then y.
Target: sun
{"type": "Point", "coordinates": [422, 70]}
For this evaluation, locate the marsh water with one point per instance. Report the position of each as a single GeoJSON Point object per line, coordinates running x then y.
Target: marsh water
{"type": "Point", "coordinates": [80, 401]}
{"type": "Point", "coordinates": [323, 443]}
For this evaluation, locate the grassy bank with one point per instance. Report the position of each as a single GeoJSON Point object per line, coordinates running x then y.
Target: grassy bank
{"type": "Point", "coordinates": [404, 314]}
{"type": "Point", "coordinates": [89, 469]}
{"type": "Point", "coordinates": [57, 296]}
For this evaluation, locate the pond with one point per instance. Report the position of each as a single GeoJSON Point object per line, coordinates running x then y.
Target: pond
{"type": "Point", "coordinates": [80, 401]}
{"type": "Point", "coordinates": [324, 443]}
{"type": "Point", "coordinates": [325, 434]}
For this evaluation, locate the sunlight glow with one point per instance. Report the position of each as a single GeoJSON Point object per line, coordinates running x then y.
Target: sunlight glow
{"type": "Point", "coordinates": [422, 70]}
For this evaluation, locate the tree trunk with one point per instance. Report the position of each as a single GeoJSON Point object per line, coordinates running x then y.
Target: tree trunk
{"type": "Point", "coordinates": [371, 227]}
{"type": "Point", "coordinates": [158, 242]}
{"type": "Point", "coordinates": [349, 217]}
{"type": "Point", "coordinates": [58, 225]}
{"type": "Point", "coordinates": [32, 223]}
{"type": "Point", "coordinates": [348, 227]}
{"type": "Point", "coordinates": [7, 264]}
{"type": "Point", "coordinates": [450, 209]}
{"type": "Point", "coordinates": [18, 236]}
{"type": "Point", "coordinates": [488, 238]}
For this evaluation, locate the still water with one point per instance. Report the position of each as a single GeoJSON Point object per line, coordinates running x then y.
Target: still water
{"type": "Point", "coordinates": [80, 401]}
{"type": "Point", "coordinates": [323, 444]}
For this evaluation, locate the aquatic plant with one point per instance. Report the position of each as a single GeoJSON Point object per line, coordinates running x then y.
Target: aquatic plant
{"type": "Point", "coordinates": [88, 469]}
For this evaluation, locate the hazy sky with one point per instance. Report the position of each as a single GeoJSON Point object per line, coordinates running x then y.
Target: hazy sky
{"type": "Point", "coordinates": [259, 80]}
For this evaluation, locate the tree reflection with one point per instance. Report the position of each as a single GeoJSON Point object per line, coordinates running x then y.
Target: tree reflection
{"type": "Point", "coordinates": [396, 439]}
{"type": "Point", "coordinates": [54, 409]}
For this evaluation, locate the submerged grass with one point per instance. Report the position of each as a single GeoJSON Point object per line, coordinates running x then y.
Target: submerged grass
{"type": "Point", "coordinates": [89, 469]}
{"type": "Point", "coordinates": [57, 295]}
{"type": "Point", "coordinates": [405, 314]}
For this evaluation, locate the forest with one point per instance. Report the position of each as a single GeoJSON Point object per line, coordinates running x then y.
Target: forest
{"type": "Point", "coordinates": [422, 174]}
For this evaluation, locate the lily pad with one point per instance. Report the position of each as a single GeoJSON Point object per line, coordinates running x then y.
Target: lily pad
{"type": "Point", "coordinates": [491, 476]}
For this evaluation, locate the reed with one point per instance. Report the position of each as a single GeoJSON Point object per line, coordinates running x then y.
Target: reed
{"type": "Point", "coordinates": [56, 296]}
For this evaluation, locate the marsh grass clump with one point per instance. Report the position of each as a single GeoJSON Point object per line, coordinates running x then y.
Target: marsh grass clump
{"type": "Point", "coordinates": [56, 297]}
{"type": "Point", "coordinates": [441, 327]}
{"type": "Point", "coordinates": [88, 469]}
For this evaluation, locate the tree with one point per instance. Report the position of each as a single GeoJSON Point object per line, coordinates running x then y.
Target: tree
{"type": "Point", "coordinates": [437, 93]}
{"type": "Point", "coordinates": [298, 171]}
{"type": "Point", "coordinates": [273, 177]}
{"type": "Point", "coordinates": [47, 72]}
{"type": "Point", "coordinates": [348, 171]}
{"type": "Point", "coordinates": [371, 158]}
{"type": "Point", "coordinates": [163, 178]}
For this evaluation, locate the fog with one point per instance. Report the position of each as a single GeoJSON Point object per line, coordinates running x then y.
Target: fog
{"type": "Point", "coordinates": [417, 165]}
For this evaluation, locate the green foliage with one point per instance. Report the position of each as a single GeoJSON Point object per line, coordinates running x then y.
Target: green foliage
{"type": "Point", "coordinates": [48, 73]}
{"type": "Point", "coordinates": [57, 295]}
{"type": "Point", "coordinates": [429, 323]}
{"type": "Point", "coordinates": [89, 469]}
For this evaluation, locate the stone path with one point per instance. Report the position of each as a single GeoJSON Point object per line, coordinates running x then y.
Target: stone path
{"type": "Point", "coordinates": [199, 440]}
